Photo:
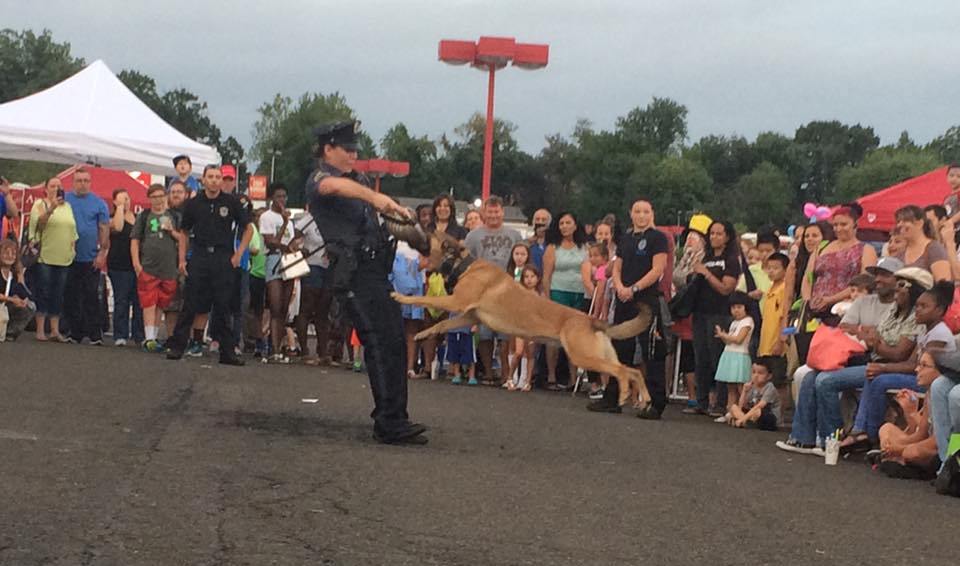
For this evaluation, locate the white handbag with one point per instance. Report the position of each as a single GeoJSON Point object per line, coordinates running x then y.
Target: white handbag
{"type": "Point", "coordinates": [293, 266]}
{"type": "Point", "coordinates": [4, 313]}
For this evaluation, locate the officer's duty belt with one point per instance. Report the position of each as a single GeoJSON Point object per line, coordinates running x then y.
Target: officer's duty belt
{"type": "Point", "coordinates": [213, 249]}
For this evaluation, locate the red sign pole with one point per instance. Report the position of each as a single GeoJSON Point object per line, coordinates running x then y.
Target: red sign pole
{"type": "Point", "coordinates": [488, 138]}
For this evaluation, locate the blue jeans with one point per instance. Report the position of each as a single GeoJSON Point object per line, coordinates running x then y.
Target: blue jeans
{"type": "Point", "coordinates": [51, 284]}
{"type": "Point", "coordinates": [873, 400]}
{"type": "Point", "coordinates": [818, 402]}
{"type": "Point", "coordinates": [125, 296]}
{"type": "Point", "coordinates": [944, 399]}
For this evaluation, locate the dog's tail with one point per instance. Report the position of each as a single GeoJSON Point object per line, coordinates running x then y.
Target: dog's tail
{"type": "Point", "coordinates": [632, 327]}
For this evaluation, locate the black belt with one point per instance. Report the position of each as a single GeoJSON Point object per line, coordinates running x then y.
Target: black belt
{"type": "Point", "coordinates": [212, 249]}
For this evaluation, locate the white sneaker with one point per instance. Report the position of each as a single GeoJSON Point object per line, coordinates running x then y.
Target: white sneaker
{"type": "Point", "coordinates": [120, 342]}
{"type": "Point", "coordinates": [722, 420]}
{"type": "Point", "coordinates": [793, 446]}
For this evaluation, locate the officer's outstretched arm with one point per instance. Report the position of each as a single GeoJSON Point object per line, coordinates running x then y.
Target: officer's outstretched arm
{"type": "Point", "coordinates": [349, 188]}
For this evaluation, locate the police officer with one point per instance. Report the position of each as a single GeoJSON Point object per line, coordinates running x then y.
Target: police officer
{"type": "Point", "coordinates": [361, 255]}
{"type": "Point", "coordinates": [209, 218]}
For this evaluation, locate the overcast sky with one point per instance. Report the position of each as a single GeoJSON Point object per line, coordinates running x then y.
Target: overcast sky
{"type": "Point", "coordinates": [740, 66]}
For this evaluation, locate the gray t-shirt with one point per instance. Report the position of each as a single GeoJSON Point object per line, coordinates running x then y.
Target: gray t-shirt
{"type": "Point", "coordinates": [933, 253]}
{"type": "Point", "coordinates": [158, 248]}
{"type": "Point", "coordinates": [766, 393]}
{"type": "Point", "coordinates": [492, 245]}
{"type": "Point", "coordinates": [868, 311]}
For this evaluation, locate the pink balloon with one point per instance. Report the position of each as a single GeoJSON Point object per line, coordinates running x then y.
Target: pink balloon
{"type": "Point", "coordinates": [823, 212]}
{"type": "Point", "coordinates": [809, 209]}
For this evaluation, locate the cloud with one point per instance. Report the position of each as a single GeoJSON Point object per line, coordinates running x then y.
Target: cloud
{"type": "Point", "coordinates": [741, 66]}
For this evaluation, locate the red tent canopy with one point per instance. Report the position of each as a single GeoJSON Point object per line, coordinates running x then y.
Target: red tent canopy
{"type": "Point", "coordinates": [103, 182]}
{"type": "Point", "coordinates": [879, 207]}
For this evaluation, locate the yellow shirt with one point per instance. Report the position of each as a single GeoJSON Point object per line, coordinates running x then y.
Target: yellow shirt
{"type": "Point", "coordinates": [773, 309]}
{"type": "Point", "coordinates": [58, 236]}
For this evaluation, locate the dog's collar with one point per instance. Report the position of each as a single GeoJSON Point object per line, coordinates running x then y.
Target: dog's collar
{"type": "Point", "coordinates": [456, 270]}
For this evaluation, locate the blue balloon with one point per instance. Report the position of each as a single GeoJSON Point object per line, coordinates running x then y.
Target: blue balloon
{"type": "Point", "coordinates": [791, 230]}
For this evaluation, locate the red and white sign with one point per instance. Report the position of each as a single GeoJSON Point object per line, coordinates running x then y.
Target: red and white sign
{"type": "Point", "coordinates": [257, 187]}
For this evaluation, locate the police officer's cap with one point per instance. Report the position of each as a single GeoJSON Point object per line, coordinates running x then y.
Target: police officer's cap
{"type": "Point", "coordinates": [343, 134]}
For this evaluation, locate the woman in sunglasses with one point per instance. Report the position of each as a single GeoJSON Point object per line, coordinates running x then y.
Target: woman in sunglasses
{"type": "Point", "coordinates": [932, 301]}
{"type": "Point", "coordinates": [891, 344]}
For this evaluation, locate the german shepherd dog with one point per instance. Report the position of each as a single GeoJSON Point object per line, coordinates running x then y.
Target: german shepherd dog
{"type": "Point", "coordinates": [483, 293]}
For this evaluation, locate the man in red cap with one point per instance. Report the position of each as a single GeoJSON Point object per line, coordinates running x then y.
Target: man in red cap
{"type": "Point", "coordinates": [229, 179]}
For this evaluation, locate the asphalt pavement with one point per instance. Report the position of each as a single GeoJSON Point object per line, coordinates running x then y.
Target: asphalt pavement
{"type": "Point", "coordinates": [110, 456]}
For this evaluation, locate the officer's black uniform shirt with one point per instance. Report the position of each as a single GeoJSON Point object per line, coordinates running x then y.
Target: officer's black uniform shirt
{"type": "Point", "coordinates": [212, 221]}
{"type": "Point", "coordinates": [352, 221]}
{"type": "Point", "coordinates": [636, 251]}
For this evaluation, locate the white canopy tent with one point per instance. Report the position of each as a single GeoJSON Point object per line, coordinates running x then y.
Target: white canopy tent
{"type": "Point", "coordinates": [92, 117]}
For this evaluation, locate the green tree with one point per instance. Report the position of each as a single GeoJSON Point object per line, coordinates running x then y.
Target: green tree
{"type": "Point", "coordinates": [829, 147]}
{"type": "Point", "coordinates": [680, 186]}
{"type": "Point", "coordinates": [947, 145]}
{"type": "Point", "coordinates": [461, 160]}
{"type": "Point", "coordinates": [287, 127]}
{"type": "Point", "coordinates": [31, 62]}
{"type": "Point", "coordinates": [725, 160]}
{"type": "Point", "coordinates": [660, 127]}
{"type": "Point", "coordinates": [421, 153]}
{"type": "Point", "coordinates": [762, 197]}
{"type": "Point", "coordinates": [882, 168]}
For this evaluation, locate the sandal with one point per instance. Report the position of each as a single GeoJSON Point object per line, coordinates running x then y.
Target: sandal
{"type": "Point", "coordinates": [860, 443]}
{"type": "Point", "coordinates": [526, 388]}
{"type": "Point", "coordinates": [311, 361]}
{"type": "Point", "coordinates": [554, 387]}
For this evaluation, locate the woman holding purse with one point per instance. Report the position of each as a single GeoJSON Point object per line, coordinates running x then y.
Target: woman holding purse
{"type": "Point", "coordinates": [278, 234]}
{"type": "Point", "coordinates": [54, 229]}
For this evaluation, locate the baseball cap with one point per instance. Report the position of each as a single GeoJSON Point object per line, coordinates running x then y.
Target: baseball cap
{"type": "Point", "coordinates": [228, 171]}
{"type": "Point", "coordinates": [888, 264]}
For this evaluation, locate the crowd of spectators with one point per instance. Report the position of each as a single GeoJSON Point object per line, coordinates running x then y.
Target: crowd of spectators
{"type": "Point", "coordinates": [770, 331]}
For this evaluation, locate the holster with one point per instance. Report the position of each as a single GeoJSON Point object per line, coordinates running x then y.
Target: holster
{"type": "Point", "coordinates": [343, 265]}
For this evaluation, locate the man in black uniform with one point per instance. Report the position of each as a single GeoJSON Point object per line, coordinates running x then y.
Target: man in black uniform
{"type": "Point", "coordinates": [636, 277]}
{"type": "Point", "coordinates": [361, 257]}
{"type": "Point", "coordinates": [210, 218]}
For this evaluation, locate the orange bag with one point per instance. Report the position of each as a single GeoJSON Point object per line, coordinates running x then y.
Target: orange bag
{"type": "Point", "coordinates": [831, 348]}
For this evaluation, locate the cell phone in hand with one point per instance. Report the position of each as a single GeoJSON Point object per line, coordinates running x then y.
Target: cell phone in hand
{"type": "Point", "coordinates": [60, 192]}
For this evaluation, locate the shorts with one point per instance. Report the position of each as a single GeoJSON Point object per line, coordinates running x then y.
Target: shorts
{"type": "Point", "coordinates": [767, 421]}
{"type": "Point", "coordinates": [155, 292]}
{"type": "Point", "coordinates": [258, 294]}
{"type": "Point", "coordinates": [272, 268]}
{"type": "Point", "coordinates": [484, 332]}
{"type": "Point", "coordinates": [778, 368]}
{"type": "Point", "coordinates": [567, 298]}
{"type": "Point", "coordinates": [687, 361]}
{"type": "Point", "coordinates": [176, 302]}
{"type": "Point", "coordinates": [460, 349]}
